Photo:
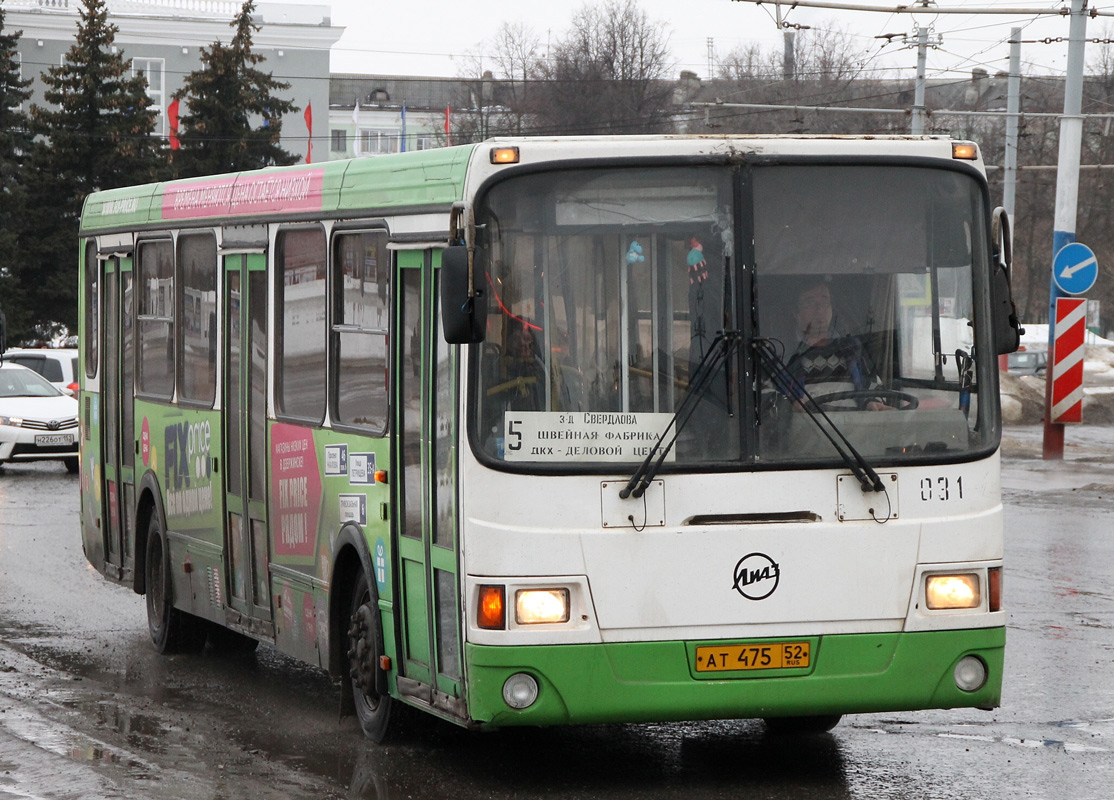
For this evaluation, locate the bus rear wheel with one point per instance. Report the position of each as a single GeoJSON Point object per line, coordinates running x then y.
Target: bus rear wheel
{"type": "Point", "coordinates": [365, 646]}
{"type": "Point", "coordinates": [802, 725]}
{"type": "Point", "coordinates": [172, 630]}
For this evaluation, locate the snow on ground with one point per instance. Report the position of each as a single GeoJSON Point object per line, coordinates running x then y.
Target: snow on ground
{"type": "Point", "coordinates": [1023, 395]}
{"type": "Point", "coordinates": [1098, 361]}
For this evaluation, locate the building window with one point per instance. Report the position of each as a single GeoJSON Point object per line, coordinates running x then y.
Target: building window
{"type": "Point", "coordinates": [378, 142]}
{"type": "Point", "coordinates": [424, 143]}
{"type": "Point", "coordinates": [339, 141]}
{"type": "Point", "coordinates": [17, 57]}
{"type": "Point", "coordinates": [154, 71]}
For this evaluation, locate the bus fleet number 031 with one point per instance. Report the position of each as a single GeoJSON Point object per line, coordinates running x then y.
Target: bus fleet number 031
{"type": "Point", "coordinates": [942, 489]}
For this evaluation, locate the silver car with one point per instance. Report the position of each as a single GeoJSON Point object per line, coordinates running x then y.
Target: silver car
{"type": "Point", "coordinates": [38, 422]}
{"type": "Point", "coordinates": [1028, 362]}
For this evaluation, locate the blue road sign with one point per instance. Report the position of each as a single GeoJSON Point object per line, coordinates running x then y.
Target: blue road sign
{"type": "Point", "coordinates": [1075, 268]}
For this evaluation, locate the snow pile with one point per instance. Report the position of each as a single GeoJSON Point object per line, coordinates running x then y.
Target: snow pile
{"type": "Point", "coordinates": [1036, 337]}
{"type": "Point", "coordinates": [1023, 395]}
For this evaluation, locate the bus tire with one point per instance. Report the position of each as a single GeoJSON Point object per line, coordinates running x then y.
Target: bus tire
{"type": "Point", "coordinates": [172, 630]}
{"type": "Point", "coordinates": [365, 646]}
{"type": "Point", "coordinates": [801, 726]}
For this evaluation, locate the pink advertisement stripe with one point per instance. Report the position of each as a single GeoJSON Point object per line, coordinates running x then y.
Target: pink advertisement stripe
{"type": "Point", "coordinates": [250, 193]}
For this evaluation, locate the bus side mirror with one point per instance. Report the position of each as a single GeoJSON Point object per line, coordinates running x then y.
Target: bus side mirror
{"type": "Point", "coordinates": [1007, 327]}
{"type": "Point", "coordinates": [463, 305]}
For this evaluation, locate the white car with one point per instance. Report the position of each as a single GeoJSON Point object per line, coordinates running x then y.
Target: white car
{"type": "Point", "coordinates": [58, 365]}
{"type": "Point", "coordinates": [38, 422]}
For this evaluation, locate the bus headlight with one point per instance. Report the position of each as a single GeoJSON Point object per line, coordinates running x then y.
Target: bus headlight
{"type": "Point", "coordinates": [539, 606]}
{"type": "Point", "coordinates": [952, 591]}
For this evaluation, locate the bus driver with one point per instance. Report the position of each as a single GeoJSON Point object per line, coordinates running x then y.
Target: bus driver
{"type": "Point", "coordinates": [825, 362]}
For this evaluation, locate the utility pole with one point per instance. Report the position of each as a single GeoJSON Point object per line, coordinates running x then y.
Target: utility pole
{"type": "Point", "coordinates": [918, 91]}
{"type": "Point", "coordinates": [1013, 107]}
{"type": "Point", "coordinates": [788, 61]}
{"type": "Point", "coordinates": [1067, 199]}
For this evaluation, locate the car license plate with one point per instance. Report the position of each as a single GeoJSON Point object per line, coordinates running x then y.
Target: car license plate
{"type": "Point", "coordinates": [726, 658]}
{"type": "Point", "coordinates": [48, 439]}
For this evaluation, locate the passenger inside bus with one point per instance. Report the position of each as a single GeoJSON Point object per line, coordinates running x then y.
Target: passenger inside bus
{"type": "Point", "coordinates": [517, 381]}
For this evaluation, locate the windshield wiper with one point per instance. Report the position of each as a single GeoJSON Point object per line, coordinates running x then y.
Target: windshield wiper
{"type": "Point", "coordinates": [725, 343]}
{"type": "Point", "coordinates": [785, 383]}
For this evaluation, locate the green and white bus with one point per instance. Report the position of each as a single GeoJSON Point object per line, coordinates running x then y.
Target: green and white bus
{"type": "Point", "coordinates": [517, 433]}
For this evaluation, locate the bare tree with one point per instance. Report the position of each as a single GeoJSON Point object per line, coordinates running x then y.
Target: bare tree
{"type": "Point", "coordinates": [827, 68]}
{"type": "Point", "coordinates": [608, 74]}
{"type": "Point", "coordinates": [495, 84]}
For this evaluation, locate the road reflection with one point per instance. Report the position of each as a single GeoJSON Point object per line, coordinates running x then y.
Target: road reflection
{"type": "Point", "coordinates": [690, 760]}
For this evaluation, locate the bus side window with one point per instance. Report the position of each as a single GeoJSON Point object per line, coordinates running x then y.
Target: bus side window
{"type": "Point", "coordinates": [197, 313]}
{"type": "Point", "coordinates": [300, 258]}
{"type": "Point", "coordinates": [155, 265]}
{"type": "Point", "coordinates": [361, 314]}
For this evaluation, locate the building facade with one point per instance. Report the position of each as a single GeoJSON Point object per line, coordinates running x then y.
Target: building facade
{"type": "Point", "coordinates": [379, 114]}
{"type": "Point", "coordinates": [163, 40]}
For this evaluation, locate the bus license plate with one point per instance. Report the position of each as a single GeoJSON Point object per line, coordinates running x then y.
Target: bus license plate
{"type": "Point", "coordinates": [724, 658]}
{"type": "Point", "coordinates": [48, 439]}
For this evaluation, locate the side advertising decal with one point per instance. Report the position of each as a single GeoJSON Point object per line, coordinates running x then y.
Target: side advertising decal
{"type": "Point", "coordinates": [295, 490]}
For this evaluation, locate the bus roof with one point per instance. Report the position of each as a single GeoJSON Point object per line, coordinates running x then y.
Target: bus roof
{"type": "Point", "coordinates": [440, 177]}
{"type": "Point", "coordinates": [406, 180]}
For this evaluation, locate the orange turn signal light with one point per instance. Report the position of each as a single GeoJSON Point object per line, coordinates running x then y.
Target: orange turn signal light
{"type": "Point", "coordinates": [994, 589]}
{"type": "Point", "coordinates": [504, 155]}
{"type": "Point", "coordinates": [965, 150]}
{"type": "Point", "coordinates": [492, 612]}
{"type": "Point", "coordinates": [380, 476]}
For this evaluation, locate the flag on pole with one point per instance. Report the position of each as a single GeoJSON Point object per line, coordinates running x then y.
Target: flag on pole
{"type": "Point", "coordinates": [448, 132]}
{"type": "Point", "coordinates": [402, 144]}
{"type": "Point", "coordinates": [356, 122]}
{"type": "Point", "coordinates": [172, 118]}
{"type": "Point", "coordinates": [309, 127]}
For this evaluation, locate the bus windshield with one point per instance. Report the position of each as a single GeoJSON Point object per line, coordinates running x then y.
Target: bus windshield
{"type": "Point", "coordinates": [609, 288]}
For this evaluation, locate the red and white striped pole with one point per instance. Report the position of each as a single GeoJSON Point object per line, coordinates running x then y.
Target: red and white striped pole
{"type": "Point", "coordinates": [1067, 365]}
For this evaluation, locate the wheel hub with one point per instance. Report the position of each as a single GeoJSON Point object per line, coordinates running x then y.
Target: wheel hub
{"type": "Point", "coordinates": [361, 650]}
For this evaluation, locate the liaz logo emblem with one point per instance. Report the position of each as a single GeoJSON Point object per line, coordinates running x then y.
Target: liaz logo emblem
{"type": "Point", "coordinates": [756, 576]}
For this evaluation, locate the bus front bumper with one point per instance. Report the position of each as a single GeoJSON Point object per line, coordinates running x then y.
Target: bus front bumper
{"type": "Point", "coordinates": [658, 681]}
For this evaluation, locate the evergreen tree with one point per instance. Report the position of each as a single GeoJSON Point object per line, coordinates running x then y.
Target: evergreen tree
{"type": "Point", "coordinates": [224, 97]}
{"type": "Point", "coordinates": [96, 135]}
{"type": "Point", "coordinates": [15, 142]}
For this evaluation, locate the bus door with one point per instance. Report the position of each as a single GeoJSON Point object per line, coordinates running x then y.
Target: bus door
{"type": "Point", "coordinates": [244, 367]}
{"type": "Point", "coordinates": [425, 463]}
{"type": "Point", "coordinates": [118, 440]}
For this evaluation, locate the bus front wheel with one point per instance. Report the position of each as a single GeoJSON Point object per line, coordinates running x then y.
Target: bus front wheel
{"type": "Point", "coordinates": [365, 646]}
{"type": "Point", "coordinates": [172, 630]}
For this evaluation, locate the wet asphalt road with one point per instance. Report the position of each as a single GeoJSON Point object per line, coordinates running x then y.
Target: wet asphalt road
{"type": "Point", "coordinates": [88, 710]}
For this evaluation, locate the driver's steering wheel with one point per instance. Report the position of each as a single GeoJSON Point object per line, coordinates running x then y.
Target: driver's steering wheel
{"type": "Point", "coordinates": [902, 401]}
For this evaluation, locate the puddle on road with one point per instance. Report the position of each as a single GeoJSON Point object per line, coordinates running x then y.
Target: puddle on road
{"type": "Point", "coordinates": [53, 737]}
{"type": "Point", "coordinates": [141, 730]}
